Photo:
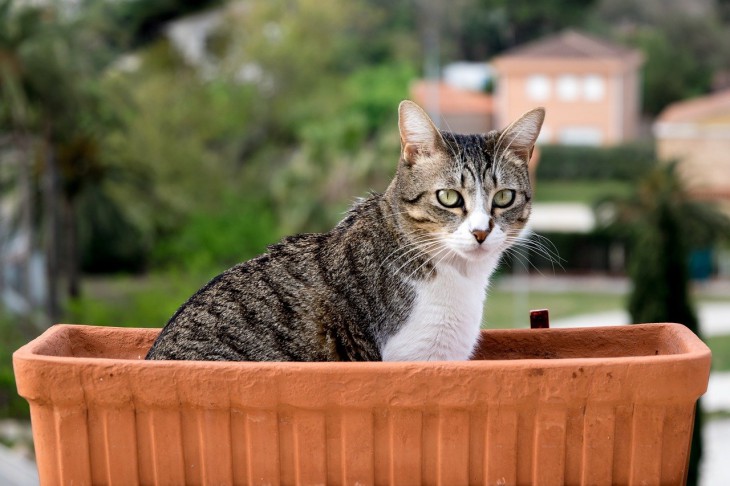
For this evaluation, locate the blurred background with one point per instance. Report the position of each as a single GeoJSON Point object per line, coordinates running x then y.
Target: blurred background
{"type": "Point", "coordinates": [145, 146]}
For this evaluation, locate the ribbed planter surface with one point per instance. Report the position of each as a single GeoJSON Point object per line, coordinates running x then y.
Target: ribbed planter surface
{"type": "Point", "coordinates": [611, 405]}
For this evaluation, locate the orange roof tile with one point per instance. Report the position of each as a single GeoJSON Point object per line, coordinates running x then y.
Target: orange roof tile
{"type": "Point", "coordinates": [697, 108]}
{"type": "Point", "coordinates": [571, 44]}
{"type": "Point", "coordinates": [451, 100]}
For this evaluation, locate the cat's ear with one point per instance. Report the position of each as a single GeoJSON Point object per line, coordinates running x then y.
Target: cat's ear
{"type": "Point", "coordinates": [521, 135]}
{"type": "Point", "coordinates": [418, 135]}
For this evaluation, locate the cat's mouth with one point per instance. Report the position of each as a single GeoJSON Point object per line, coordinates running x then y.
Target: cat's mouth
{"type": "Point", "coordinates": [474, 251]}
{"type": "Point", "coordinates": [471, 251]}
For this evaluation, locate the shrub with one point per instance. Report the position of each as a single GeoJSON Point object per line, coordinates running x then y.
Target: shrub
{"type": "Point", "coordinates": [239, 229]}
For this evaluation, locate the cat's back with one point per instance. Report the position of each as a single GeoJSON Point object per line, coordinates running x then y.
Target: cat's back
{"type": "Point", "coordinates": [311, 297]}
{"type": "Point", "coordinates": [246, 312]}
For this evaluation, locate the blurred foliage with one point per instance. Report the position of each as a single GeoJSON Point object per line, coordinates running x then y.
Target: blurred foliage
{"type": "Point", "coordinates": [54, 113]}
{"type": "Point", "coordinates": [684, 44]}
{"type": "Point", "coordinates": [281, 112]}
{"type": "Point", "coordinates": [176, 148]}
{"type": "Point", "coordinates": [131, 301]}
{"type": "Point", "coordinates": [11, 405]}
{"type": "Point", "coordinates": [660, 216]}
{"type": "Point", "coordinates": [621, 162]}
{"type": "Point", "coordinates": [720, 346]}
{"type": "Point", "coordinates": [486, 27]}
{"type": "Point", "coordinates": [133, 23]}
{"type": "Point", "coordinates": [659, 200]}
{"type": "Point", "coordinates": [267, 119]}
{"type": "Point", "coordinates": [679, 61]}
{"type": "Point", "coordinates": [586, 191]}
{"type": "Point", "coordinates": [239, 230]}
{"type": "Point", "coordinates": [108, 241]}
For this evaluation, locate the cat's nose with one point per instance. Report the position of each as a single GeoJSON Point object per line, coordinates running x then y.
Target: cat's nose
{"type": "Point", "coordinates": [480, 235]}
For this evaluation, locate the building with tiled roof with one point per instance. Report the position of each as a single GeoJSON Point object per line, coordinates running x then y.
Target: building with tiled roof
{"type": "Point", "coordinates": [455, 109]}
{"type": "Point", "coordinates": [696, 133]}
{"type": "Point", "coordinates": [589, 87]}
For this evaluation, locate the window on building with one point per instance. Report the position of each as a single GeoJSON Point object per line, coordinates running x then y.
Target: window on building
{"type": "Point", "coordinates": [568, 87]}
{"type": "Point", "coordinates": [594, 87]}
{"type": "Point", "coordinates": [580, 136]}
{"type": "Point", "coordinates": [538, 87]}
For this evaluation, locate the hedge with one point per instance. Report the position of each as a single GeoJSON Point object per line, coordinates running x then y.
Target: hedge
{"type": "Point", "coordinates": [621, 162]}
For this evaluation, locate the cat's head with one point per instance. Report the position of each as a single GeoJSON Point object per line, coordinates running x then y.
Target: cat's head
{"type": "Point", "coordinates": [464, 197]}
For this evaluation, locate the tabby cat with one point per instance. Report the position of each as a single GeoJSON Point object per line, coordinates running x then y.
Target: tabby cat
{"type": "Point", "coordinates": [403, 277]}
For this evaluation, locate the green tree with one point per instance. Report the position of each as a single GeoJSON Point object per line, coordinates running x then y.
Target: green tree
{"type": "Point", "coordinates": [179, 143]}
{"type": "Point", "coordinates": [318, 107]}
{"type": "Point", "coordinates": [486, 27]}
{"type": "Point", "coordinates": [674, 69]}
{"type": "Point", "coordinates": [660, 252]}
{"type": "Point", "coordinates": [121, 26]}
{"type": "Point", "coordinates": [684, 45]}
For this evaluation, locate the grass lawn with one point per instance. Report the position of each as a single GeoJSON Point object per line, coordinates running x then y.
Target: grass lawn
{"type": "Point", "coordinates": [506, 309]}
{"type": "Point", "coordinates": [150, 301]}
{"type": "Point", "coordinates": [128, 301]}
{"type": "Point", "coordinates": [720, 347]}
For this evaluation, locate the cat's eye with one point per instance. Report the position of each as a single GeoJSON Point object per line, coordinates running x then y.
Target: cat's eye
{"type": "Point", "coordinates": [449, 198]}
{"type": "Point", "coordinates": [504, 198]}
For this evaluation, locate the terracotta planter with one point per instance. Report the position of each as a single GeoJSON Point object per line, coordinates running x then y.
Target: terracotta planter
{"type": "Point", "coordinates": [547, 406]}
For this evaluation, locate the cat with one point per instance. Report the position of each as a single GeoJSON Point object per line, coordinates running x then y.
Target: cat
{"type": "Point", "coordinates": [402, 277]}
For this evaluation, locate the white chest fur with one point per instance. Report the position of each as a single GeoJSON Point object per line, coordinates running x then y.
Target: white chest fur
{"type": "Point", "coordinates": [445, 321]}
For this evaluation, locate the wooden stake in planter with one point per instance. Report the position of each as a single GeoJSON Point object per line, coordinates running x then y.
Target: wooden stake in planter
{"type": "Point", "coordinates": [539, 319]}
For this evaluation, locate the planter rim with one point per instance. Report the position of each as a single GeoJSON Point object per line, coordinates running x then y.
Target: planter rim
{"type": "Point", "coordinates": [694, 349]}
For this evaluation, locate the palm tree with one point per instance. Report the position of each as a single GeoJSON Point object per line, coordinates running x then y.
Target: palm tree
{"type": "Point", "coordinates": [51, 107]}
{"type": "Point", "coordinates": [17, 144]}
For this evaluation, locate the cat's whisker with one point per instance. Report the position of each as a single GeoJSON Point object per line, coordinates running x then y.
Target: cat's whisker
{"type": "Point", "coordinates": [539, 248]}
{"type": "Point", "coordinates": [545, 240]}
{"type": "Point", "coordinates": [540, 242]}
{"type": "Point", "coordinates": [426, 247]}
{"type": "Point", "coordinates": [497, 152]}
{"type": "Point", "coordinates": [423, 246]}
{"type": "Point", "coordinates": [456, 154]}
{"type": "Point", "coordinates": [449, 253]}
{"type": "Point", "coordinates": [429, 247]}
{"type": "Point", "coordinates": [407, 250]}
{"type": "Point", "coordinates": [424, 263]}
{"type": "Point", "coordinates": [523, 261]}
{"type": "Point", "coordinates": [428, 261]}
{"type": "Point", "coordinates": [412, 254]}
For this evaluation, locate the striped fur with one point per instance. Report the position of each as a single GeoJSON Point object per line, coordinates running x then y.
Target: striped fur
{"type": "Point", "coordinates": [361, 291]}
